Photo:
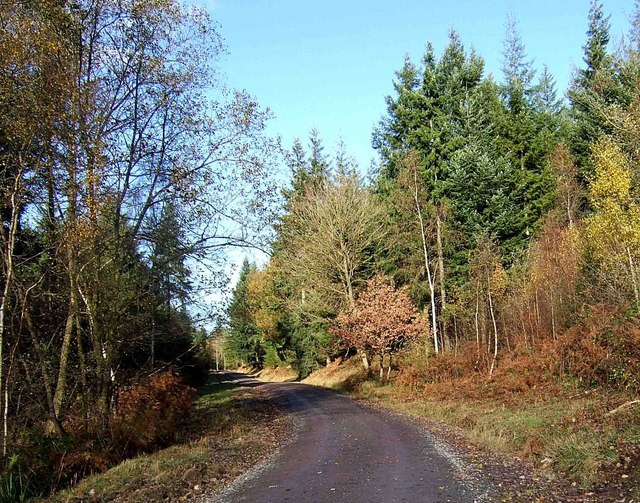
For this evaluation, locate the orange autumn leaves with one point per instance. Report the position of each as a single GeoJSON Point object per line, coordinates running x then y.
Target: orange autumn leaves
{"type": "Point", "coordinates": [382, 319]}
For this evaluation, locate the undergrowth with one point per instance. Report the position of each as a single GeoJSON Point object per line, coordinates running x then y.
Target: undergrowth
{"type": "Point", "coordinates": [229, 429]}
{"type": "Point", "coordinates": [555, 403]}
{"type": "Point", "coordinates": [151, 415]}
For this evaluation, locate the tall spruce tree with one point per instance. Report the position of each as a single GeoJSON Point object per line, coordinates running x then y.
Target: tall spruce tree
{"type": "Point", "coordinates": [428, 116]}
{"type": "Point", "coordinates": [592, 90]}
{"type": "Point", "coordinates": [596, 57]}
{"type": "Point", "coordinates": [526, 137]}
{"type": "Point", "coordinates": [517, 69]}
{"type": "Point", "coordinates": [243, 342]}
{"type": "Point", "coordinates": [318, 163]}
{"type": "Point", "coordinates": [428, 112]}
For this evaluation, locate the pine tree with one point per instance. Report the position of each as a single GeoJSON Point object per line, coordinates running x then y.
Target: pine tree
{"type": "Point", "coordinates": [428, 112]}
{"type": "Point", "coordinates": [405, 115]}
{"type": "Point", "coordinates": [517, 69]}
{"type": "Point", "coordinates": [483, 188]}
{"type": "Point", "coordinates": [546, 99]}
{"type": "Point", "coordinates": [243, 342]}
{"type": "Point", "coordinates": [345, 164]}
{"type": "Point", "coordinates": [430, 116]}
{"type": "Point", "coordinates": [318, 163]}
{"type": "Point", "coordinates": [592, 90]}
{"type": "Point", "coordinates": [596, 57]}
{"type": "Point", "coordinates": [168, 256]}
{"type": "Point", "coordinates": [526, 137]}
{"type": "Point", "coordinates": [297, 163]}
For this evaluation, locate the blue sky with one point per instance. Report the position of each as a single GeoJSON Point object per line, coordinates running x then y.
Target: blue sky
{"type": "Point", "coordinates": [329, 64]}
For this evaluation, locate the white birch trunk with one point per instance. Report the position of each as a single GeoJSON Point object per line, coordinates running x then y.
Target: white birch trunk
{"type": "Point", "coordinates": [495, 333]}
{"type": "Point", "coordinates": [9, 248]}
{"type": "Point", "coordinates": [430, 278]}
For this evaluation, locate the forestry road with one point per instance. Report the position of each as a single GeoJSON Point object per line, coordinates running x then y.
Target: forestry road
{"type": "Point", "coordinates": [346, 452]}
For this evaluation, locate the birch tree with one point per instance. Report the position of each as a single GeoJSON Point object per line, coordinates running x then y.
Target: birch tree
{"type": "Point", "coordinates": [111, 114]}
{"type": "Point", "coordinates": [613, 230]}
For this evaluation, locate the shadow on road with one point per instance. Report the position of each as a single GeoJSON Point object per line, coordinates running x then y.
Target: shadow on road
{"type": "Point", "coordinates": [297, 398]}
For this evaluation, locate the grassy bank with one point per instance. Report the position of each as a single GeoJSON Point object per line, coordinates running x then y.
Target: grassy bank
{"type": "Point", "coordinates": [572, 436]}
{"type": "Point", "coordinates": [231, 429]}
{"type": "Point", "coordinates": [586, 438]}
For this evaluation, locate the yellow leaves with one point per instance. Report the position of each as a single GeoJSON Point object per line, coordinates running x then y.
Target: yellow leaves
{"type": "Point", "coordinates": [35, 73]}
{"type": "Point", "coordinates": [264, 303]}
{"type": "Point", "coordinates": [499, 280]}
{"type": "Point", "coordinates": [613, 231]}
{"type": "Point", "coordinates": [612, 182]}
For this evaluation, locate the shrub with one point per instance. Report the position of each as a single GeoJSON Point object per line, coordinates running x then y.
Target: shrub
{"type": "Point", "coordinates": [603, 350]}
{"type": "Point", "coordinates": [16, 481]}
{"type": "Point", "coordinates": [150, 413]}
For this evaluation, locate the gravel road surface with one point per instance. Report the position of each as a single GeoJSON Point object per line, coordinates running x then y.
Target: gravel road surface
{"type": "Point", "coordinates": [343, 451]}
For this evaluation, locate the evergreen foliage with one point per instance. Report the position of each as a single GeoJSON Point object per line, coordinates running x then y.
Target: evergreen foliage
{"type": "Point", "coordinates": [243, 344]}
{"type": "Point", "coordinates": [502, 214]}
{"type": "Point", "coordinates": [592, 90]}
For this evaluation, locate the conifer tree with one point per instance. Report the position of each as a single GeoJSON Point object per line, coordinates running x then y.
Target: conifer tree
{"type": "Point", "coordinates": [243, 343]}
{"type": "Point", "coordinates": [526, 137]}
{"type": "Point", "coordinates": [297, 163]}
{"type": "Point", "coordinates": [517, 70]}
{"type": "Point", "coordinates": [596, 57]}
{"type": "Point", "coordinates": [430, 116]}
{"type": "Point", "coordinates": [592, 90]}
{"type": "Point", "coordinates": [318, 163]}
{"type": "Point", "coordinates": [546, 99]}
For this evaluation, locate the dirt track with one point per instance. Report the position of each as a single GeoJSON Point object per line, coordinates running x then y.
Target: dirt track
{"type": "Point", "coordinates": [345, 452]}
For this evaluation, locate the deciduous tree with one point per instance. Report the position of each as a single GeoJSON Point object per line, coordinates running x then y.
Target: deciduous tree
{"type": "Point", "coordinates": [380, 322]}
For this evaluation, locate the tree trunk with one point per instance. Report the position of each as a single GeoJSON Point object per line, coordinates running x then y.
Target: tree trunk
{"type": "Point", "coordinates": [477, 323]}
{"type": "Point", "coordinates": [495, 332]}
{"type": "Point", "coordinates": [365, 361]}
{"type": "Point", "coordinates": [82, 363]}
{"type": "Point", "coordinates": [455, 334]}
{"type": "Point", "coordinates": [5, 416]}
{"type": "Point", "coordinates": [9, 242]}
{"type": "Point", "coordinates": [443, 297]}
{"type": "Point", "coordinates": [347, 279]}
{"type": "Point", "coordinates": [634, 279]}
{"type": "Point", "coordinates": [430, 278]}
{"type": "Point", "coordinates": [553, 316]}
{"type": "Point", "coordinates": [537, 313]}
{"type": "Point", "coordinates": [55, 424]}
{"type": "Point", "coordinates": [153, 339]}
{"type": "Point", "coordinates": [389, 368]}
{"type": "Point", "coordinates": [65, 351]}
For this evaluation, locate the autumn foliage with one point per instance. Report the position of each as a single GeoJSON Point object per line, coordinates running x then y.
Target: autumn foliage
{"type": "Point", "coordinates": [382, 319]}
{"type": "Point", "coordinates": [151, 412]}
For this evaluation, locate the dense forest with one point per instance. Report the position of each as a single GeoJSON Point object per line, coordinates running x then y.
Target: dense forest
{"type": "Point", "coordinates": [500, 227]}
{"type": "Point", "coordinates": [500, 223]}
{"type": "Point", "coordinates": [123, 180]}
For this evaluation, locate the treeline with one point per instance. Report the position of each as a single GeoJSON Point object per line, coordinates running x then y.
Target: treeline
{"type": "Point", "coordinates": [507, 215]}
{"type": "Point", "coordinates": [118, 174]}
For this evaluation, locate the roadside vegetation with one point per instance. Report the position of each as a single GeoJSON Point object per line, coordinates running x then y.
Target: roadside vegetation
{"type": "Point", "coordinates": [229, 430]}
{"type": "Point", "coordinates": [586, 437]}
{"type": "Point", "coordinates": [488, 269]}
{"type": "Point", "coordinates": [486, 274]}
{"type": "Point", "coordinates": [126, 171]}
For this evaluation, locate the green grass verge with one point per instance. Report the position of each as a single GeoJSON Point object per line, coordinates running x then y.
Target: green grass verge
{"type": "Point", "coordinates": [567, 436]}
{"type": "Point", "coordinates": [231, 428]}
